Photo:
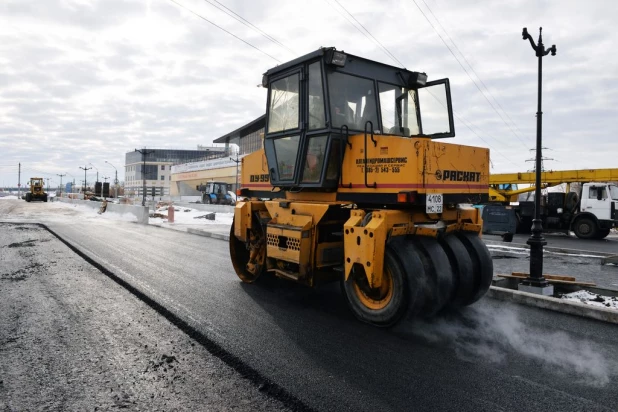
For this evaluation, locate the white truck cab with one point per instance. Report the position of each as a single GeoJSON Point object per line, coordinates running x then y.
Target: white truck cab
{"type": "Point", "coordinates": [598, 210]}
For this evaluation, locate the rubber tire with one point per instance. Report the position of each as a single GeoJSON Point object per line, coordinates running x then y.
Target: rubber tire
{"type": "Point", "coordinates": [582, 223]}
{"type": "Point", "coordinates": [482, 264]}
{"type": "Point", "coordinates": [45, 198]}
{"type": "Point", "coordinates": [440, 283]}
{"type": "Point", "coordinates": [602, 234]}
{"type": "Point", "coordinates": [466, 280]}
{"type": "Point", "coordinates": [398, 305]}
{"type": "Point", "coordinates": [410, 256]}
{"type": "Point", "coordinates": [239, 256]}
{"type": "Point", "coordinates": [28, 197]}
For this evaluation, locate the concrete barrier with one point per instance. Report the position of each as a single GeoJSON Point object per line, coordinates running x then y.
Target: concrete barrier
{"type": "Point", "coordinates": [140, 212]}
{"type": "Point", "coordinates": [206, 208]}
{"type": "Point", "coordinates": [555, 304]}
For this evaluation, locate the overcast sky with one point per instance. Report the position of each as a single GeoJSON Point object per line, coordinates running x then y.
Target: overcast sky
{"type": "Point", "coordinates": [85, 81]}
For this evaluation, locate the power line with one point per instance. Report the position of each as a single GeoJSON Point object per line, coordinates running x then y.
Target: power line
{"type": "Point", "coordinates": [485, 141]}
{"type": "Point", "coordinates": [247, 23]}
{"type": "Point", "coordinates": [221, 28]}
{"type": "Point", "coordinates": [471, 68]}
{"type": "Point", "coordinates": [388, 53]}
{"type": "Point", "coordinates": [465, 70]}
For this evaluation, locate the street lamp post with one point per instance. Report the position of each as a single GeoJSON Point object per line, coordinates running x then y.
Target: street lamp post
{"type": "Point", "coordinates": [237, 161]}
{"type": "Point", "coordinates": [144, 152]}
{"type": "Point", "coordinates": [85, 168]}
{"type": "Point", "coordinates": [97, 181]}
{"type": "Point", "coordinates": [115, 179]}
{"type": "Point", "coordinates": [536, 282]}
{"type": "Point", "coordinates": [61, 175]}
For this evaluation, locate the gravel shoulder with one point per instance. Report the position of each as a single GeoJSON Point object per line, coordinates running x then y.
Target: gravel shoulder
{"type": "Point", "coordinates": [72, 339]}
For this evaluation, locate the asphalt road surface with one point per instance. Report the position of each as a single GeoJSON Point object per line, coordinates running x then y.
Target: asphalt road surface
{"type": "Point", "coordinates": [306, 344]}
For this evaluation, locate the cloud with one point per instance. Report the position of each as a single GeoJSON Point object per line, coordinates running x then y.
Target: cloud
{"type": "Point", "coordinates": [92, 80]}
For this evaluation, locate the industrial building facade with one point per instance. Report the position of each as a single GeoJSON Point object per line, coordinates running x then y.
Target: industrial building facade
{"type": "Point", "coordinates": [155, 167]}
{"type": "Point", "coordinates": [187, 177]}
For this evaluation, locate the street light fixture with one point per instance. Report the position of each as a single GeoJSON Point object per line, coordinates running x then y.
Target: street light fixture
{"type": "Point", "coordinates": [536, 282]}
{"type": "Point", "coordinates": [97, 181]}
{"type": "Point", "coordinates": [115, 179]}
{"type": "Point", "coordinates": [144, 153]}
{"type": "Point", "coordinates": [85, 169]}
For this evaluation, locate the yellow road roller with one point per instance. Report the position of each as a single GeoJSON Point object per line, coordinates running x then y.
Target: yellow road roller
{"type": "Point", "coordinates": [356, 183]}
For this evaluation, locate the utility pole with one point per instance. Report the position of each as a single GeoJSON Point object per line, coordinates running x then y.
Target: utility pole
{"type": "Point", "coordinates": [48, 179]}
{"type": "Point", "coordinates": [85, 168]}
{"type": "Point", "coordinates": [144, 152]}
{"type": "Point", "coordinates": [536, 282]}
{"type": "Point", "coordinates": [61, 182]}
{"type": "Point", "coordinates": [542, 160]}
{"type": "Point", "coordinates": [19, 181]}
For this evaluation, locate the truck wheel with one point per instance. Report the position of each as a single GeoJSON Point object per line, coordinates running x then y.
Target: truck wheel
{"type": "Point", "coordinates": [28, 198]}
{"type": "Point", "coordinates": [602, 233]}
{"type": "Point", "coordinates": [585, 228]}
{"type": "Point", "coordinates": [382, 306]}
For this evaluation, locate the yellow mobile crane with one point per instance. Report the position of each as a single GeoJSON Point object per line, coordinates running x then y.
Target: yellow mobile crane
{"type": "Point", "coordinates": [590, 212]}
{"type": "Point", "coordinates": [353, 184]}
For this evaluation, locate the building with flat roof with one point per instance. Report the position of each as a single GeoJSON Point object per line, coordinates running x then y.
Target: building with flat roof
{"type": "Point", "coordinates": [187, 177]}
{"type": "Point", "coordinates": [157, 169]}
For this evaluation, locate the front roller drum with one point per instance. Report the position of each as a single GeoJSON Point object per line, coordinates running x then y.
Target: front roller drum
{"type": "Point", "coordinates": [249, 259]}
{"type": "Point", "coordinates": [382, 306]}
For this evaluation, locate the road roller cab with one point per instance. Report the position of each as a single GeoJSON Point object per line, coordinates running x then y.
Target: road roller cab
{"type": "Point", "coordinates": [355, 184]}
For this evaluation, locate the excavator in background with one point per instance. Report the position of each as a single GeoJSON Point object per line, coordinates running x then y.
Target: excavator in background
{"type": "Point", "coordinates": [590, 212]}
{"type": "Point", "coordinates": [355, 185]}
{"type": "Point", "coordinates": [36, 190]}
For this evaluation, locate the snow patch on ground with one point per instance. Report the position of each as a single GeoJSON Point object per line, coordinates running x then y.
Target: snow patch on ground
{"type": "Point", "coordinates": [592, 299]}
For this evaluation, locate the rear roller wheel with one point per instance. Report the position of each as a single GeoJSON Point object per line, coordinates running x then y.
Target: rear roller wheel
{"type": "Point", "coordinates": [249, 259]}
{"type": "Point", "coordinates": [382, 306]}
{"type": "Point", "coordinates": [465, 279]}
{"type": "Point", "coordinates": [482, 264]}
{"type": "Point", "coordinates": [439, 285]}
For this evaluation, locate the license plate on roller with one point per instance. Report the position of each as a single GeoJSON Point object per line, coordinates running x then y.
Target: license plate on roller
{"type": "Point", "coordinates": [434, 203]}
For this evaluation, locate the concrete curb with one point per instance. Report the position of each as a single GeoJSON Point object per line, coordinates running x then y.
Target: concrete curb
{"type": "Point", "coordinates": [551, 249]}
{"type": "Point", "coordinates": [555, 304]}
{"type": "Point", "coordinates": [208, 234]}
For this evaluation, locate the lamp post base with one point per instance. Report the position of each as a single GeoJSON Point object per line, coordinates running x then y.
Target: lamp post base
{"type": "Point", "coordinates": [547, 290]}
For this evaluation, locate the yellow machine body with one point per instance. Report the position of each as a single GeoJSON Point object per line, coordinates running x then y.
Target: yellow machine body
{"type": "Point", "coordinates": [37, 191]}
{"type": "Point", "coordinates": [355, 183]}
{"type": "Point", "coordinates": [408, 168]}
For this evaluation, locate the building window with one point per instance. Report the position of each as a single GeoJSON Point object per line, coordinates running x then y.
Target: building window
{"type": "Point", "coordinates": [162, 167]}
{"type": "Point", "coordinates": [162, 177]}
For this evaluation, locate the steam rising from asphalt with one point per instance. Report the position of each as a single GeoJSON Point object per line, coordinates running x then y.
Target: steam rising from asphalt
{"type": "Point", "coordinates": [489, 333]}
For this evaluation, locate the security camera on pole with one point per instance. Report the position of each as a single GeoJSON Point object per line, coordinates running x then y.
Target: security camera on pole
{"type": "Point", "coordinates": [535, 282]}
